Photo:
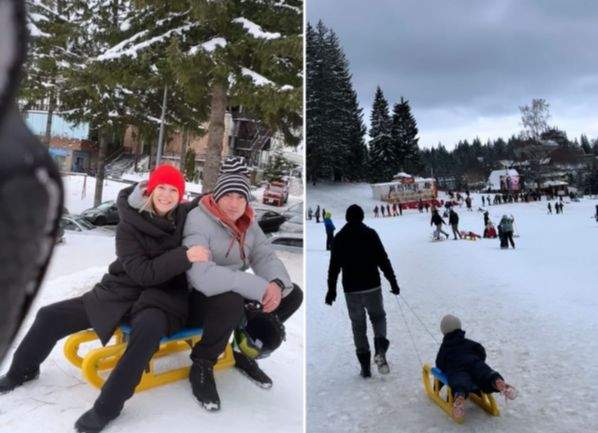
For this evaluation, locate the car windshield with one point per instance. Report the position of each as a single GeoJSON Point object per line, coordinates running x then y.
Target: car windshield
{"type": "Point", "coordinates": [105, 206]}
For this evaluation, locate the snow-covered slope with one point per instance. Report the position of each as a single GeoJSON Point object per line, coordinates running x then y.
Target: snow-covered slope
{"type": "Point", "coordinates": [534, 308]}
{"type": "Point", "coordinates": [53, 403]}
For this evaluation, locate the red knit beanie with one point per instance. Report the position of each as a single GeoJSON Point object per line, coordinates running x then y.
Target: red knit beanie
{"type": "Point", "coordinates": [169, 175]}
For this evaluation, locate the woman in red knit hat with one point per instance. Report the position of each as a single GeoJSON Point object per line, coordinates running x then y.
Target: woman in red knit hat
{"type": "Point", "coordinates": [145, 286]}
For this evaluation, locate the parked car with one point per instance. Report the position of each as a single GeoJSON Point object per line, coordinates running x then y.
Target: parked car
{"type": "Point", "coordinates": [75, 223]}
{"type": "Point", "coordinates": [276, 193]}
{"type": "Point", "coordinates": [105, 213]}
{"type": "Point", "coordinates": [296, 209]}
{"type": "Point", "coordinates": [269, 220]}
{"type": "Point", "coordinates": [292, 242]}
{"type": "Point", "coordinates": [294, 224]}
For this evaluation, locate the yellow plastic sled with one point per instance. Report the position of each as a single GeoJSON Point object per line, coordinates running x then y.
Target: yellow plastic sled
{"type": "Point", "coordinates": [434, 380]}
{"type": "Point", "coordinates": [106, 358]}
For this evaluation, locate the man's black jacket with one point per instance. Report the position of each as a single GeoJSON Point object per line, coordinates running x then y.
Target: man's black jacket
{"type": "Point", "coordinates": [359, 253]}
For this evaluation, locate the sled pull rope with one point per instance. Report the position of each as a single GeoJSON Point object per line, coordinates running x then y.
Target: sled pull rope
{"type": "Point", "coordinates": [417, 317]}
{"type": "Point", "coordinates": [409, 332]}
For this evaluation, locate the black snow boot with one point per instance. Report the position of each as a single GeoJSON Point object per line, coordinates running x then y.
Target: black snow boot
{"type": "Point", "coordinates": [364, 360]}
{"type": "Point", "coordinates": [381, 345]}
{"type": "Point", "coordinates": [203, 384]}
{"type": "Point", "coordinates": [92, 421]}
{"type": "Point", "coordinates": [10, 381]}
{"type": "Point", "coordinates": [249, 368]}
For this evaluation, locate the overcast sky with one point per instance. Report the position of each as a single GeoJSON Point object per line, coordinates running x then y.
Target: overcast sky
{"type": "Point", "coordinates": [467, 65]}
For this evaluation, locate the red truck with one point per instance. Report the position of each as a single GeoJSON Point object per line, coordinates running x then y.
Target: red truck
{"type": "Point", "coordinates": [276, 193]}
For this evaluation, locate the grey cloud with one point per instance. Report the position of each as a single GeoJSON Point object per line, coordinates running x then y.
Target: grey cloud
{"type": "Point", "coordinates": [481, 58]}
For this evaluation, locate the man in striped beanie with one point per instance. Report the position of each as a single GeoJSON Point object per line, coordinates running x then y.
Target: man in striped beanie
{"type": "Point", "coordinates": [233, 178]}
{"type": "Point", "coordinates": [225, 223]}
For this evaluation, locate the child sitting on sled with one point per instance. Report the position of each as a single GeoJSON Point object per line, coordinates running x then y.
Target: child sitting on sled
{"type": "Point", "coordinates": [463, 362]}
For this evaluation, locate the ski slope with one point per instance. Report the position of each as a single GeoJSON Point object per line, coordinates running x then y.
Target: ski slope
{"type": "Point", "coordinates": [533, 308]}
{"type": "Point", "coordinates": [53, 403]}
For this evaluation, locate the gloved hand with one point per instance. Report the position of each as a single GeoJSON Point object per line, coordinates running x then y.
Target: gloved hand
{"type": "Point", "coordinates": [395, 289]}
{"type": "Point", "coordinates": [330, 296]}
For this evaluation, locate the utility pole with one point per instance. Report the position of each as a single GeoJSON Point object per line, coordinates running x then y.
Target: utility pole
{"type": "Point", "coordinates": [162, 121]}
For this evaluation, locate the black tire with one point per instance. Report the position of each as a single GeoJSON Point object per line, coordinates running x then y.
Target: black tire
{"type": "Point", "coordinates": [100, 221]}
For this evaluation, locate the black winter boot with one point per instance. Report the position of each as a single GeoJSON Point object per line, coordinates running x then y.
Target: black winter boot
{"type": "Point", "coordinates": [10, 381]}
{"type": "Point", "coordinates": [364, 360]}
{"type": "Point", "coordinates": [92, 422]}
{"type": "Point", "coordinates": [203, 384]}
{"type": "Point", "coordinates": [381, 345]}
{"type": "Point", "coordinates": [249, 368]}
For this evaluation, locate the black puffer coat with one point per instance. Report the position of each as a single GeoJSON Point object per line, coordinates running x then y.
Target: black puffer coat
{"type": "Point", "coordinates": [458, 353]}
{"type": "Point", "coordinates": [149, 271]}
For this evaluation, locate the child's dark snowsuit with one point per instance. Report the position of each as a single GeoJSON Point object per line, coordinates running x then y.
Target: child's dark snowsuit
{"type": "Point", "coordinates": [463, 362]}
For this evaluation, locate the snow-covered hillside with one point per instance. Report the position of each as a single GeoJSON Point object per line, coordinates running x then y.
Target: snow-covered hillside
{"type": "Point", "coordinates": [54, 402]}
{"type": "Point", "coordinates": [534, 308]}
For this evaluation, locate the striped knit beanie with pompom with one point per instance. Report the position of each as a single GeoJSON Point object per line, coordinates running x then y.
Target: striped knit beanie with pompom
{"type": "Point", "coordinates": [232, 178]}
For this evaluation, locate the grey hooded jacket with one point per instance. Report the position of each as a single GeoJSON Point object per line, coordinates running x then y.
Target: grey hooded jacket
{"type": "Point", "coordinates": [225, 271]}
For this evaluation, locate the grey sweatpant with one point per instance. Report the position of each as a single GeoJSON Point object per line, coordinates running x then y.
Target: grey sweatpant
{"type": "Point", "coordinates": [357, 304]}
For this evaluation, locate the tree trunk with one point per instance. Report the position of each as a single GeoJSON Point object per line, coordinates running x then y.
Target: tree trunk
{"type": "Point", "coordinates": [51, 108]}
{"type": "Point", "coordinates": [184, 144]}
{"type": "Point", "coordinates": [215, 136]}
{"type": "Point", "coordinates": [97, 198]}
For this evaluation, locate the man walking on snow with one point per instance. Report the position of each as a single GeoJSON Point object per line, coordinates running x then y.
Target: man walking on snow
{"type": "Point", "coordinates": [359, 253]}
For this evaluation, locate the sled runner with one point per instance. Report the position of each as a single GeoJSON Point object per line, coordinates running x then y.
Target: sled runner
{"type": "Point", "coordinates": [434, 380]}
{"type": "Point", "coordinates": [105, 358]}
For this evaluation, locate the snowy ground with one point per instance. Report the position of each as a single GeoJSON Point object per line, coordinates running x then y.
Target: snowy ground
{"type": "Point", "coordinates": [534, 309]}
{"type": "Point", "coordinates": [54, 402]}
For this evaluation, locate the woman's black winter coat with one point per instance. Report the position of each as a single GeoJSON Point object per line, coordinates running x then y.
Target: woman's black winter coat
{"type": "Point", "coordinates": [149, 271]}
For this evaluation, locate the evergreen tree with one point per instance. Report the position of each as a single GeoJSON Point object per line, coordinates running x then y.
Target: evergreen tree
{"type": "Point", "coordinates": [335, 130]}
{"type": "Point", "coordinates": [585, 144]}
{"type": "Point", "coordinates": [318, 153]}
{"type": "Point", "coordinates": [405, 140]}
{"type": "Point", "coordinates": [382, 155]}
{"type": "Point", "coordinates": [278, 167]}
{"type": "Point", "coordinates": [190, 171]}
{"type": "Point", "coordinates": [54, 36]}
{"type": "Point", "coordinates": [245, 53]}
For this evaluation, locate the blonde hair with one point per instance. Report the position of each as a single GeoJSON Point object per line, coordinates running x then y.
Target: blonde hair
{"type": "Point", "coordinates": [148, 206]}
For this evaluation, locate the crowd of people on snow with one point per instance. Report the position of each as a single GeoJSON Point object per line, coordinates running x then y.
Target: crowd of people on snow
{"type": "Point", "coordinates": [462, 360]}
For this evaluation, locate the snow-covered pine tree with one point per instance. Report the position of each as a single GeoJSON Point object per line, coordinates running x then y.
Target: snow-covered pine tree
{"type": "Point", "coordinates": [382, 156]}
{"type": "Point", "coordinates": [278, 167]}
{"type": "Point", "coordinates": [247, 53]}
{"type": "Point", "coordinates": [404, 136]}
{"type": "Point", "coordinates": [128, 52]}
{"type": "Point", "coordinates": [53, 36]}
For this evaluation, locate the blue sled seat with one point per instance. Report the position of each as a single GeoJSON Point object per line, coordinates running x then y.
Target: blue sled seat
{"type": "Point", "coordinates": [182, 334]}
{"type": "Point", "coordinates": [438, 374]}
